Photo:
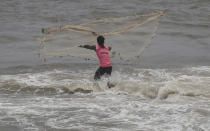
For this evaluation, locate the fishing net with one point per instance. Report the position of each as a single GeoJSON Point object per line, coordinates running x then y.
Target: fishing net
{"type": "Point", "coordinates": [128, 36]}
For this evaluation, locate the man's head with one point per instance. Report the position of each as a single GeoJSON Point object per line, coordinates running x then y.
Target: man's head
{"type": "Point", "coordinates": [100, 40]}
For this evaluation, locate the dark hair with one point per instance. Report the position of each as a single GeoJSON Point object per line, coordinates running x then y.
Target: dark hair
{"type": "Point", "coordinates": [100, 40]}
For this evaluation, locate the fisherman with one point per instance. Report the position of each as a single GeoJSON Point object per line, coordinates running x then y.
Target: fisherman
{"type": "Point", "coordinates": [102, 51]}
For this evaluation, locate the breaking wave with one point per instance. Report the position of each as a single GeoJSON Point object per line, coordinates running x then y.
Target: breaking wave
{"type": "Point", "coordinates": [150, 83]}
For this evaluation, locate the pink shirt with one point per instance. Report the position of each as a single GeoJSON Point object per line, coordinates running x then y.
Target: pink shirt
{"type": "Point", "coordinates": [103, 56]}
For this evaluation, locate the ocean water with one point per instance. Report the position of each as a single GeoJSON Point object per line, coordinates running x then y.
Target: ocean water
{"type": "Point", "coordinates": [167, 89]}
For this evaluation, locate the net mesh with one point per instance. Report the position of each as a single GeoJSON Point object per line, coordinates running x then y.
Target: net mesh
{"type": "Point", "coordinates": [128, 36]}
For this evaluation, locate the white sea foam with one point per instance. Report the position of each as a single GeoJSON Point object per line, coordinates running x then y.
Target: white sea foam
{"type": "Point", "coordinates": [149, 82]}
{"type": "Point", "coordinates": [148, 99]}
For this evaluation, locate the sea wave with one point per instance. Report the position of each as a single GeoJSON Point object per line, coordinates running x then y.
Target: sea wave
{"type": "Point", "coordinates": [150, 83]}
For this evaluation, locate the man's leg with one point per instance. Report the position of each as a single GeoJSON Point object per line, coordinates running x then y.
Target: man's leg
{"type": "Point", "coordinates": [97, 74]}
{"type": "Point", "coordinates": [109, 71]}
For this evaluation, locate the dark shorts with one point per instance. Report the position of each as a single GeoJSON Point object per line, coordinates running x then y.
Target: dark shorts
{"type": "Point", "coordinates": [102, 71]}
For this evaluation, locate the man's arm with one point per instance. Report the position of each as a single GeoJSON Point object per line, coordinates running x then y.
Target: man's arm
{"type": "Point", "coordinates": [90, 47]}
